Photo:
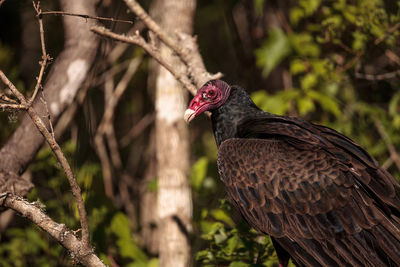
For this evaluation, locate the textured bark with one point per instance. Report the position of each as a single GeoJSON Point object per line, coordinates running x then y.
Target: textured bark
{"type": "Point", "coordinates": [33, 212]}
{"type": "Point", "coordinates": [148, 198]}
{"type": "Point", "coordinates": [174, 195]}
{"type": "Point", "coordinates": [67, 74]}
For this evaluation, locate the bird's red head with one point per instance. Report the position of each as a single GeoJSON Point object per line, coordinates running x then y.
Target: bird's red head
{"type": "Point", "coordinates": [209, 97]}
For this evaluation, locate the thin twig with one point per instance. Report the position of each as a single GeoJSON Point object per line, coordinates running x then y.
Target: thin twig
{"type": "Point", "coordinates": [12, 106]}
{"type": "Point", "coordinates": [61, 158]}
{"type": "Point", "coordinates": [45, 56]}
{"type": "Point", "coordinates": [42, 99]}
{"type": "Point", "coordinates": [110, 110]}
{"type": "Point", "coordinates": [105, 164]}
{"type": "Point", "coordinates": [138, 128]}
{"type": "Point", "coordinates": [154, 27]}
{"type": "Point", "coordinates": [7, 99]}
{"type": "Point", "coordinates": [350, 64]}
{"type": "Point", "coordinates": [138, 40]}
{"type": "Point", "coordinates": [106, 127]}
{"type": "Point", "coordinates": [183, 52]}
{"type": "Point", "coordinates": [13, 89]}
{"type": "Point", "coordinates": [66, 237]}
{"type": "Point", "coordinates": [2, 2]}
{"type": "Point", "coordinates": [389, 32]}
{"type": "Point", "coordinates": [377, 77]}
{"type": "Point", "coordinates": [385, 137]}
{"type": "Point", "coordinates": [62, 13]}
{"type": "Point", "coordinates": [392, 56]}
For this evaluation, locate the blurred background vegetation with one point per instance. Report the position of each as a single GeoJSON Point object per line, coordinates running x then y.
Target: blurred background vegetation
{"type": "Point", "coordinates": [333, 62]}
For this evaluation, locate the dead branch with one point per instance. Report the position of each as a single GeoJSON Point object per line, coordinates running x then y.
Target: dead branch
{"type": "Point", "coordinates": [138, 40]}
{"type": "Point", "coordinates": [392, 56]}
{"type": "Point", "coordinates": [5, 106]}
{"type": "Point", "coordinates": [389, 32]}
{"type": "Point", "coordinates": [187, 51]}
{"type": "Point", "coordinates": [66, 237]}
{"type": "Point", "coordinates": [45, 56]}
{"type": "Point", "coordinates": [377, 77]}
{"type": "Point", "coordinates": [7, 99]}
{"type": "Point", "coordinates": [137, 129]}
{"type": "Point", "coordinates": [106, 127]}
{"type": "Point", "coordinates": [63, 13]}
{"type": "Point", "coordinates": [385, 137]}
{"type": "Point", "coordinates": [60, 156]}
{"type": "Point", "coordinates": [68, 73]}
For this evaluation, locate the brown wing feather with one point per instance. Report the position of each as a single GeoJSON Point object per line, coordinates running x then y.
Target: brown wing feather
{"type": "Point", "coordinates": [311, 197]}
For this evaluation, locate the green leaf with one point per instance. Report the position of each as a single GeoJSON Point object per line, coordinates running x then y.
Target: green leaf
{"type": "Point", "coordinates": [258, 5]}
{"type": "Point", "coordinates": [239, 264]}
{"type": "Point", "coordinates": [308, 81]}
{"type": "Point", "coordinates": [275, 49]}
{"type": "Point", "coordinates": [296, 14]}
{"type": "Point", "coordinates": [359, 41]}
{"type": "Point", "coordinates": [309, 6]}
{"type": "Point", "coordinates": [297, 66]}
{"type": "Point", "coordinates": [304, 45]}
{"type": "Point", "coordinates": [232, 244]}
{"type": "Point", "coordinates": [120, 226]}
{"type": "Point", "coordinates": [204, 254]}
{"type": "Point", "coordinates": [278, 103]}
{"type": "Point", "coordinates": [305, 105]}
{"type": "Point", "coordinates": [326, 102]}
{"type": "Point", "coordinates": [221, 215]}
{"type": "Point", "coordinates": [394, 105]}
{"type": "Point", "coordinates": [220, 236]}
{"type": "Point", "coordinates": [198, 173]}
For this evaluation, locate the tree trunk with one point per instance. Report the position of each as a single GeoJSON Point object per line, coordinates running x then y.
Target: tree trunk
{"type": "Point", "coordinates": [65, 77]}
{"type": "Point", "coordinates": [174, 203]}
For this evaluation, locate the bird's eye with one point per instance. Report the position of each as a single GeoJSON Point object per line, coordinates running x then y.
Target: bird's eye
{"type": "Point", "coordinates": [211, 93]}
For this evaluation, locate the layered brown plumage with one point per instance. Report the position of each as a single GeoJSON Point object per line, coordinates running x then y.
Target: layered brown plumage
{"type": "Point", "coordinates": [323, 199]}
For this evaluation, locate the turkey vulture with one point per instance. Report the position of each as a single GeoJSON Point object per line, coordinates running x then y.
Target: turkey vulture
{"type": "Point", "coordinates": [321, 197]}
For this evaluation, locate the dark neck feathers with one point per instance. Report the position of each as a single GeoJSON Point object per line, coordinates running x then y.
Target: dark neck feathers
{"type": "Point", "coordinates": [227, 118]}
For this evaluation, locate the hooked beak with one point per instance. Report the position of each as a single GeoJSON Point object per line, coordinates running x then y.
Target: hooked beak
{"type": "Point", "coordinates": [189, 115]}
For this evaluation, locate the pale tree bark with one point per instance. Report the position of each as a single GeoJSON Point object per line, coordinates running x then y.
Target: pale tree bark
{"type": "Point", "coordinates": [148, 198]}
{"type": "Point", "coordinates": [174, 203]}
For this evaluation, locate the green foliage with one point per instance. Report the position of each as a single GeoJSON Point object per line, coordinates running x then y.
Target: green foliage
{"type": "Point", "coordinates": [330, 40]}
{"type": "Point", "coordinates": [230, 244]}
{"type": "Point", "coordinates": [327, 43]}
{"type": "Point", "coordinates": [274, 50]}
{"type": "Point", "coordinates": [198, 173]}
{"type": "Point", "coordinates": [120, 227]}
{"type": "Point", "coordinates": [28, 245]}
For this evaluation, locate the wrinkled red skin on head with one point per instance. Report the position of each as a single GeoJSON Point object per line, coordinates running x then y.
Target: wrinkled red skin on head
{"type": "Point", "coordinates": [211, 96]}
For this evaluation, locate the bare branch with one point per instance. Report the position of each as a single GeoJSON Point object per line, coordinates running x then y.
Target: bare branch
{"type": "Point", "coordinates": [106, 127]}
{"type": "Point", "coordinates": [12, 106]}
{"type": "Point", "coordinates": [389, 32]}
{"type": "Point", "coordinates": [13, 89]}
{"type": "Point", "coordinates": [62, 13]}
{"type": "Point", "coordinates": [377, 77]}
{"type": "Point", "coordinates": [45, 56]}
{"type": "Point", "coordinates": [392, 56]}
{"type": "Point", "coordinates": [154, 27]}
{"type": "Point", "coordinates": [33, 211]}
{"type": "Point", "coordinates": [61, 158]}
{"type": "Point", "coordinates": [137, 129]}
{"type": "Point", "coordinates": [7, 99]}
{"type": "Point", "coordinates": [69, 72]}
{"type": "Point", "coordinates": [138, 40]}
{"type": "Point", "coordinates": [385, 137]}
{"type": "Point", "coordinates": [187, 53]}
